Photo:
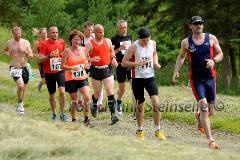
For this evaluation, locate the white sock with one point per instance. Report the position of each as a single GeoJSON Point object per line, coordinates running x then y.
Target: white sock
{"type": "Point", "coordinates": [140, 128]}
{"type": "Point", "coordinates": [157, 128]}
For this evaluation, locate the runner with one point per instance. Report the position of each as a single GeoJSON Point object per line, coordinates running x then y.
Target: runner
{"type": "Point", "coordinates": [142, 56]}
{"type": "Point", "coordinates": [42, 36]}
{"type": "Point", "coordinates": [200, 47]}
{"type": "Point", "coordinates": [101, 54]}
{"type": "Point", "coordinates": [88, 35]}
{"type": "Point", "coordinates": [50, 56]}
{"type": "Point", "coordinates": [74, 62]}
{"type": "Point", "coordinates": [121, 42]}
{"type": "Point", "coordinates": [19, 50]}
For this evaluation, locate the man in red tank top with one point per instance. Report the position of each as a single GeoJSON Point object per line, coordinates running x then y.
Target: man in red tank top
{"type": "Point", "coordinates": [50, 56]}
{"type": "Point", "coordinates": [101, 54]}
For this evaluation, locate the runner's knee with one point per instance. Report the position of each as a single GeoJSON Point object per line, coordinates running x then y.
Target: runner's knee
{"type": "Point", "coordinates": [203, 105]}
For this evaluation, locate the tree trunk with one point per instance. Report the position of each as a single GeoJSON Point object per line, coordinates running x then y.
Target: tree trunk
{"type": "Point", "coordinates": [226, 71]}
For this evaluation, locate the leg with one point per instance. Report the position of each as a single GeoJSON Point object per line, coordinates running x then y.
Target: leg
{"type": "Point", "coordinates": [109, 86]}
{"type": "Point", "coordinates": [204, 118]}
{"type": "Point", "coordinates": [97, 85]}
{"type": "Point", "coordinates": [86, 98]}
{"type": "Point", "coordinates": [74, 100]}
{"type": "Point", "coordinates": [100, 102]}
{"type": "Point", "coordinates": [52, 102]}
{"type": "Point", "coordinates": [20, 89]}
{"type": "Point", "coordinates": [121, 90]}
{"type": "Point", "coordinates": [20, 94]}
{"type": "Point", "coordinates": [62, 100]}
{"type": "Point", "coordinates": [156, 111]}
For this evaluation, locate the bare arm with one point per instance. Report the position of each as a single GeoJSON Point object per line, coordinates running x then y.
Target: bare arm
{"type": "Point", "coordinates": [64, 60]}
{"type": "Point", "coordinates": [29, 52]}
{"type": "Point", "coordinates": [112, 54]}
{"type": "Point", "coordinates": [127, 57]}
{"type": "Point", "coordinates": [88, 50]}
{"type": "Point", "coordinates": [35, 49]}
{"type": "Point", "coordinates": [6, 49]}
{"type": "Point", "coordinates": [219, 54]}
{"type": "Point", "coordinates": [180, 60]}
{"type": "Point", "coordinates": [155, 57]}
{"type": "Point", "coordinates": [42, 57]}
{"type": "Point", "coordinates": [217, 49]}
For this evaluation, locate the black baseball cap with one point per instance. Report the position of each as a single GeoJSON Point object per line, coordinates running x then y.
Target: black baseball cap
{"type": "Point", "coordinates": [196, 19]}
{"type": "Point", "coordinates": [143, 32]}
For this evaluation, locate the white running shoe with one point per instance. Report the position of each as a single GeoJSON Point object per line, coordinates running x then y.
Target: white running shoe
{"type": "Point", "coordinates": [20, 108]}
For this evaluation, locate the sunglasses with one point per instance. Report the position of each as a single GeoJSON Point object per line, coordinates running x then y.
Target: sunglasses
{"type": "Point", "coordinates": [197, 23]}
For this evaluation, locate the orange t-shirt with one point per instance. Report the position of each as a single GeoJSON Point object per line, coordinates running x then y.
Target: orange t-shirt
{"type": "Point", "coordinates": [78, 61]}
{"type": "Point", "coordinates": [103, 51]}
{"type": "Point", "coordinates": [53, 64]}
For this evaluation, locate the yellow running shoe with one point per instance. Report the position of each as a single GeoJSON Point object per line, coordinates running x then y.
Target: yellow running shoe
{"type": "Point", "coordinates": [140, 134]}
{"type": "Point", "coordinates": [160, 135]}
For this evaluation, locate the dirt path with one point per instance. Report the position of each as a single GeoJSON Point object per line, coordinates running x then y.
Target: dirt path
{"type": "Point", "coordinates": [176, 132]}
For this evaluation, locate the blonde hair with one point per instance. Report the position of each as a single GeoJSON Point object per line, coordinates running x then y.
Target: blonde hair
{"type": "Point", "coordinates": [36, 31]}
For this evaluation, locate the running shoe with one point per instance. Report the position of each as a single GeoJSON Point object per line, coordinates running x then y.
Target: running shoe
{"type": "Point", "coordinates": [64, 118]}
{"type": "Point", "coordinates": [140, 134]}
{"type": "Point", "coordinates": [94, 110]}
{"type": "Point", "coordinates": [40, 84]}
{"type": "Point", "coordinates": [20, 108]}
{"type": "Point", "coordinates": [114, 119]}
{"type": "Point", "coordinates": [54, 117]}
{"type": "Point", "coordinates": [160, 135]}
{"type": "Point", "coordinates": [88, 123]}
{"type": "Point", "coordinates": [213, 145]}
{"type": "Point", "coordinates": [200, 127]}
{"type": "Point", "coordinates": [119, 107]}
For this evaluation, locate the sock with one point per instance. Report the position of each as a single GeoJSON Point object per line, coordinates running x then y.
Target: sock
{"type": "Point", "coordinates": [119, 101]}
{"type": "Point", "coordinates": [111, 104]}
{"type": "Point", "coordinates": [157, 128]}
{"type": "Point", "coordinates": [94, 100]}
{"type": "Point", "coordinates": [140, 128]}
{"type": "Point", "coordinates": [86, 118]}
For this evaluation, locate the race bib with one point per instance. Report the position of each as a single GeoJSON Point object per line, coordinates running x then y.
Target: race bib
{"type": "Point", "coordinates": [55, 64]}
{"type": "Point", "coordinates": [79, 73]}
{"type": "Point", "coordinates": [149, 63]}
{"type": "Point", "coordinates": [16, 72]}
{"type": "Point", "coordinates": [127, 43]}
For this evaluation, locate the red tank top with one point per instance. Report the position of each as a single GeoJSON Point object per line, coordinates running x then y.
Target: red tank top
{"type": "Point", "coordinates": [79, 61]}
{"type": "Point", "coordinates": [53, 64]}
{"type": "Point", "coordinates": [103, 51]}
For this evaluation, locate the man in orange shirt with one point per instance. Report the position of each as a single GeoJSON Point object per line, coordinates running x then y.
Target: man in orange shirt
{"type": "Point", "coordinates": [101, 53]}
{"type": "Point", "coordinates": [50, 56]}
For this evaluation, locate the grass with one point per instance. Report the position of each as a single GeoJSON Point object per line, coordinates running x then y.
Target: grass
{"type": "Point", "coordinates": [177, 104]}
{"type": "Point", "coordinates": [31, 139]}
{"type": "Point", "coordinates": [33, 136]}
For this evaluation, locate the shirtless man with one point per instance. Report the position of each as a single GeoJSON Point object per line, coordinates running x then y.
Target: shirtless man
{"type": "Point", "coordinates": [19, 50]}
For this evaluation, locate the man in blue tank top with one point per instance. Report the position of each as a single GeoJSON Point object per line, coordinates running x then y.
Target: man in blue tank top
{"type": "Point", "coordinates": [200, 48]}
